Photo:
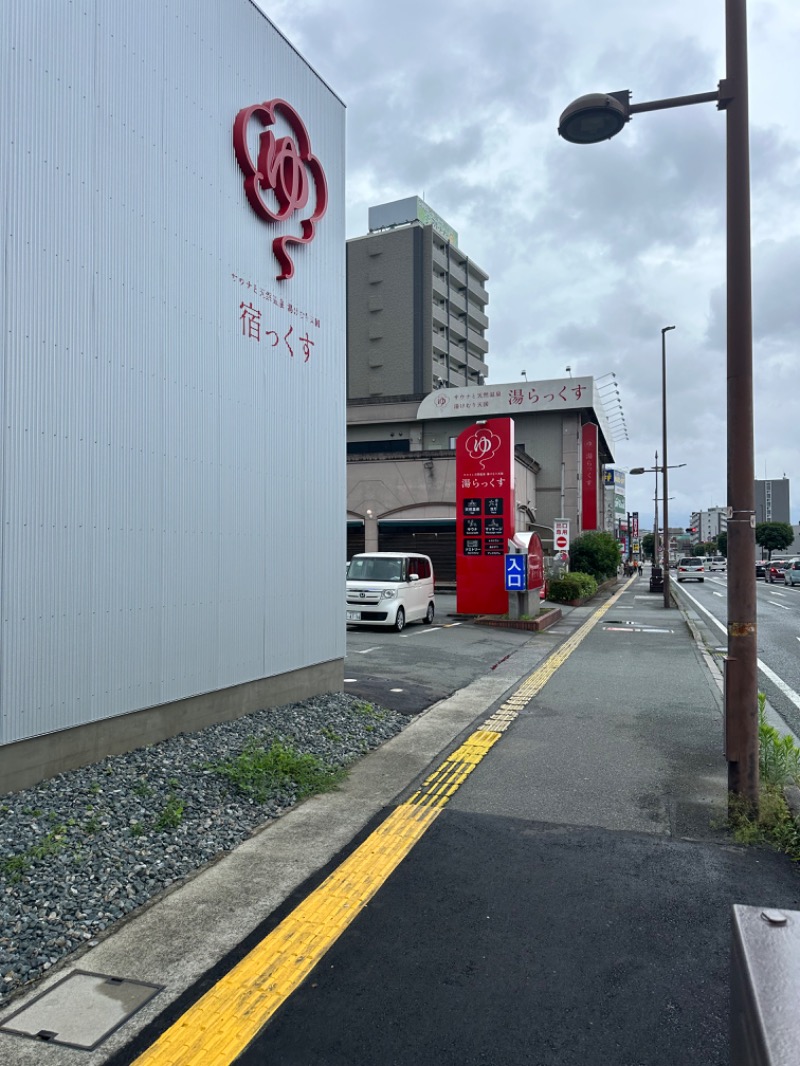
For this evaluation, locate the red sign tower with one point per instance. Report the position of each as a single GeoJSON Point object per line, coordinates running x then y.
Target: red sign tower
{"type": "Point", "coordinates": [485, 515]}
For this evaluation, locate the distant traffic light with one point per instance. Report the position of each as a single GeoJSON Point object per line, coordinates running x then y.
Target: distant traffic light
{"type": "Point", "coordinates": [691, 529]}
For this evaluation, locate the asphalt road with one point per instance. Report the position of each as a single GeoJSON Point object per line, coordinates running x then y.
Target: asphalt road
{"type": "Point", "coordinates": [778, 636]}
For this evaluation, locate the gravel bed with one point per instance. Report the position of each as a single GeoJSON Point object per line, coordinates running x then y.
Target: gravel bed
{"type": "Point", "coordinates": [81, 851]}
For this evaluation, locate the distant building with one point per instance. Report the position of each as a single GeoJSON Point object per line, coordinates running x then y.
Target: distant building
{"type": "Point", "coordinates": [416, 306]}
{"type": "Point", "coordinates": [772, 501]}
{"type": "Point", "coordinates": [401, 469]}
{"type": "Point", "coordinates": [707, 525]}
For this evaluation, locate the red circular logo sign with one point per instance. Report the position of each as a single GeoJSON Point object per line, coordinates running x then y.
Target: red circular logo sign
{"type": "Point", "coordinates": [283, 167]}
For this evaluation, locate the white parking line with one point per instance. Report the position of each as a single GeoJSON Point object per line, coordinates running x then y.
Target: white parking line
{"type": "Point", "coordinates": [788, 692]}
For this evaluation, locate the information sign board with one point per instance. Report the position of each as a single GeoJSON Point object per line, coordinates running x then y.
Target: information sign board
{"type": "Point", "coordinates": [485, 508]}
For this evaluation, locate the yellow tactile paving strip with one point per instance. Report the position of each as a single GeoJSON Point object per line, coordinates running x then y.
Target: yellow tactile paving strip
{"type": "Point", "coordinates": [216, 1029]}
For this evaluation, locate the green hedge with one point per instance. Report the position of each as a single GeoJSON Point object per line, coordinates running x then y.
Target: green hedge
{"type": "Point", "coordinates": [596, 553]}
{"type": "Point", "coordinates": [572, 586]}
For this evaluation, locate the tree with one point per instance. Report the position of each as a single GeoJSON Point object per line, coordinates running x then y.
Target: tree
{"type": "Point", "coordinates": [647, 545]}
{"type": "Point", "coordinates": [722, 544]}
{"type": "Point", "coordinates": [597, 554]}
{"type": "Point", "coordinates": [707, 547]}
{"type": "Point", "coordinates": [774, 536]}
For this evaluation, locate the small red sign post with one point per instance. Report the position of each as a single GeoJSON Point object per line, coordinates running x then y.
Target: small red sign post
{"type": "Point", "coordinates": [561, 535]}
{"type": "Point", "coordinates": [485, 515]}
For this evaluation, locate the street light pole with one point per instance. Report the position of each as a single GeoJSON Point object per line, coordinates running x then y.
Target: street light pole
{"type": "Point", "coordinates": [595, 118]}
{"type": "Point", "coordinates": [741, 664]}
{"type": "Point", "coordinates": [664, 332]}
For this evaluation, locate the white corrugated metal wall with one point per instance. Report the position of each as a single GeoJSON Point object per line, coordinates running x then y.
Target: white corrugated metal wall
{"type": "Point", "coordinates": [156, 462]}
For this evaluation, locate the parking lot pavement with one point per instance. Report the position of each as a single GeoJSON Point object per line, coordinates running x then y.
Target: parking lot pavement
{"type": "Point", "coordinates": [410, 671]}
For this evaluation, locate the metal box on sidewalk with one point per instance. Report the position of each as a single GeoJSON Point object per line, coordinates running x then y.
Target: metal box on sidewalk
{"type": "Point", "coordinates": [765, 987]}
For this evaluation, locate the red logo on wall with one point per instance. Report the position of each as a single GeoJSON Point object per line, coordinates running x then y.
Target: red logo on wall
{"type": "Point", "coordinates": [482, 446]}
{"type": "Point", "coordinates": [286, 168]}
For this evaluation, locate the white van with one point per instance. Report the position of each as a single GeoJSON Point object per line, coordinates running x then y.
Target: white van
{"type": "Point", "coordinates": [389, 589]}
{"type": "Point", "coordinates": [717, 563]}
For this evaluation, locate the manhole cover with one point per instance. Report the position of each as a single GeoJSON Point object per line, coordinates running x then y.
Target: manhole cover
{"type": "Point", "coordinates": [81, 1010]}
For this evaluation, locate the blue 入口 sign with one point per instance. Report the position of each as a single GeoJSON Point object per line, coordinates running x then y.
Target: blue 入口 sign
{"type": "Point", "coordinates": [516, 573]}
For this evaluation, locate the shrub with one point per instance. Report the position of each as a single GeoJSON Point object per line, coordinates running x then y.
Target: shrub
{"type": "Point", "coordinates": [572, 586]}
{"type": "Point", "coordinates": [778, 756]}
{"type": "Point", "coordinates": [597, 554]}
{"type": "Point", "coordinates": [779, 765]}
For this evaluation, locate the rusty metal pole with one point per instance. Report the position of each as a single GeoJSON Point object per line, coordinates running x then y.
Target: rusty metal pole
{"type": "Point", "coordinates": [664, 332]}
{"type": "Point", "coordinates": [741, 665]}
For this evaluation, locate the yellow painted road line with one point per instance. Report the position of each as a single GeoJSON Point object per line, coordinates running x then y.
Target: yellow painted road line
{"type": "Point", "coordinates": [223, 1022]}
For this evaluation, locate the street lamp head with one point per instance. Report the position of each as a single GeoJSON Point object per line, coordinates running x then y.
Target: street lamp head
{"type": "Point", "coordinates": [666, 329]}
{"type": "Point", "coordinates": [593, 118]}
{"type": "Point", "coordinates": [654, 469]}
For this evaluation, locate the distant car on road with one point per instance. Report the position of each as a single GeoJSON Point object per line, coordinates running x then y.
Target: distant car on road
{"type": "Point", "coordinates": [761, 568]}
{"type": "Point", "coordinates": [791, 573]}
{"type": "Point", "coordinates": [717, 563]}
{"type": "Point", "coordinates": [774, 572]}
{"type": "Point", "coordinates": [691, 569]}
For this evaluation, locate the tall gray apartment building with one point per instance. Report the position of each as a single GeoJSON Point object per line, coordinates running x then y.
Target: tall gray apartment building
{"type": "Point", "coordinates": [416, 306]}
{"type": "Point", "coordinates": [772, 501]}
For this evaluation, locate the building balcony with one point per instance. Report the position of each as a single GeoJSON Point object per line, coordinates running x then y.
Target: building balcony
{"type": "Point", "coordinates": [477, 342]}
{"type": "Point", "coordinates": [477, 290]}
{"type": "Point", "coordinates": [477, 319]}
{"type": "Point", "coordinates": [458, 329]}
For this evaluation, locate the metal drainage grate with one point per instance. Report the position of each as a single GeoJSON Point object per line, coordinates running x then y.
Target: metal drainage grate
{"type": "Point", "coordinates": [80, 1011]}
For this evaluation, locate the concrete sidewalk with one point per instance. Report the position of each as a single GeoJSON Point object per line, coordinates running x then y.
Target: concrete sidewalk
{"type": "Point", "coordinates": [626, 737]}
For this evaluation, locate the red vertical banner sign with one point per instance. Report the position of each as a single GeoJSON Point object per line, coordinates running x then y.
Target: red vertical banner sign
{"type": "Point", "coordinates": [589, 477]}
{"type": "Point", "coordinates": [485, 515]}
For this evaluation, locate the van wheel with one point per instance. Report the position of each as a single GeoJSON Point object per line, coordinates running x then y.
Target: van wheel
{"type": "Point", "coordinates": [400, 620]}
{"type": "Point", "coordinates": [429, 615]}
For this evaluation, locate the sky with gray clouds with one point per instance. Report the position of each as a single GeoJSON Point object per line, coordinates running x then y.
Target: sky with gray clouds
{"type": "Point", "coordinates": [590, 249]}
